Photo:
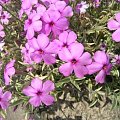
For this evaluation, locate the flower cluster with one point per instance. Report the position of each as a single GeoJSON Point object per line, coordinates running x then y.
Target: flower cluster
{"type": "Point", "coordinates": [50, 41]}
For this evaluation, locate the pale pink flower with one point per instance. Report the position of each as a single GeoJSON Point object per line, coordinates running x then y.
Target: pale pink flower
{"type": "Point", "coordinates": [39, 91]}
{"type": "Point", "coordinates": [54, 22]}
{"type": "Point", "coordinates": [4, 17]}
{"type": "Point", "coordinates": [32, 24]}
{"type": "Point", "coordinates": [101, 64]}
{"type": "Point", "coordinates": [43, 49]}
{"type": "Point", "coordinates": [76, 60]}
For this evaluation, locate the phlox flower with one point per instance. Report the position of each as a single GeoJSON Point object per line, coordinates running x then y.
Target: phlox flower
{"type": "Point", "coordinates": [43, 49]}
{"type": "Point", "coordinates": [76, 60]}
{"type": "Point", "coordinates": [101, 64]}
{"type": "Point", "coordinates": [26, 51]}
{"type": "Point", "coordinates": [63, 8]}
{"type": "Point", "coordinates": [54, 22]}
{"type": "Point", "coordinates": [32, 24]}
{"type": "Point", "coordinates": [4, 99]}
{"type": "Point", "coordinates": [2, 33]}
{"type": "Point", "coordinates": [4, 17]}
{"type": "Point", "coordinates": [116, 59]}
{"type": "Point", "coordinates": [39, 91]}
{"type": "Point", "coordinates": [66, 39]}
{"type": "Point", "coordinates": [114, 24]}
{"type": "Point", "coordinates": [81, 7]}
{"type": "Point", "coordinates": [9, 71]}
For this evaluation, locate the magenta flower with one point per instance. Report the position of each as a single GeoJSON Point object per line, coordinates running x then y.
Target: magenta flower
{"type": "Point", "coordinates": [39, 92]}
{"type": "Point", "coordinates": [54, 22]}
{"type": "Point", "coordinates": [4, 17]}
{"type": "Point", "coordinates": [43, 49]}
{"type": "Point", "coordinates": [66, 39]}
{"type": "Point", "coordinates": [114, 24]}
{"type": "Point", "coordinates": [4, 99]}
{"type": "Point", "coordinates": [9, 71]}
{"type": "Point", "coordinates": [75, 60]}
{"type": "Point", "coordinates": [101, 64]}
{"type": "Point", "coordinates": [32, 24]}
{"type": "Point", "coordinates": [62, 7]}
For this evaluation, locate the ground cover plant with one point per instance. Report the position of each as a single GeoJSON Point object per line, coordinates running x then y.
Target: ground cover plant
{"type": "Point", "coordinates": [49, 48]}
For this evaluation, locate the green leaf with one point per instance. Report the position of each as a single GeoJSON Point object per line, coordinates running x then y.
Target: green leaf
{"type": "Point", "coordinates": [63, 81]}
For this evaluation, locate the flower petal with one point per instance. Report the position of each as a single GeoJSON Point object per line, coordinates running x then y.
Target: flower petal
{"type": "Point", "coordinates": [35, 101]}
{"type": "Point", "coordinates": [100, 78]}
{"type": "Point", "coordinates": [65, 55]}
{"type": "Point", "coordinates": [7, 96]}
{"type": "Point", "coordinates": [29, 91]}
{"type": "Point", "coordinates": [48, 86]}
{"type": "Point", "coordinates": [94, 67]}
{"type": "Point", "coordinates": [76, 50]}
{"type": "Point", "coordinates": [113, 25]}
{"type": "Point", "coordinates": [85, 59]}
{"type": "Point", "coordinates": [42, 41]}
{"type": "Point", "coordinates": [36, 84]}
{"type": "Point", "coordinates": [100, 57]}
{"type": "Point", "coordinates": [66, 69]}
{"type": "Point", "coordinates": [49, 59]}
{"type": "Point", "coordinates": [80, 70]}
{"type": "Point", "coordinates": [47, 99]}
{"type": "Point", "coordinates": [116, 35]}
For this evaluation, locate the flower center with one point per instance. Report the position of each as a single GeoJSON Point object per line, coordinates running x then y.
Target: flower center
{"type": "Point", "coordinates": [30, 21]}
{"type": "Point", "coordinates": [3, 16]}
{"type": "Point", "coordinates": [51, 23]}
{"type": "Point", "coordinates": [39, 93]}
{"type": "Point", "coordinates": [65, 45]}
{"type": "Point", "coordinates": [41, 51]}
{"type": "Point", "coordinates": [73, 61]}
{"type": "Point", "coordinates": [105, 67]}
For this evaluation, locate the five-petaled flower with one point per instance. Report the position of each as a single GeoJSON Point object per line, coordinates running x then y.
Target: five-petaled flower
{"type": "Point", "coordinates": [39, 91]}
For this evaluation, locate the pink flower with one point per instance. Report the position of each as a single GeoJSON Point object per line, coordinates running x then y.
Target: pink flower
{"type": "Point", "coordinates": [32, 24]}
{"type": "Point", "coordinates": [9, 71]}
{"type": "Point", "coordinates": [101, 64]}
{"type": "Point", "coordinates": [54, 22]}
{"type": "Point", "coordinates": [43, 49]}
{"type": "Point", "coordinates": [4, 17]}
{"type": "Point", "coordinates": [4, 99]}
{"type": "Point", "coordinates": [114, 24]}
{"type": "Point", "coordinates": [66, 39]}
{"type": "Point", "coordinates": [81, 7]}
{"type": "Point", "coordinates": [39, 92]}
{"type": "Point", "coordinates": [62, 7]}
{"type": "Point", "coordinates": [2, 33]}
{"type": "Point", "coordinates": [75, 60]}
{"type": "Point", "coordinates": [26, 51]}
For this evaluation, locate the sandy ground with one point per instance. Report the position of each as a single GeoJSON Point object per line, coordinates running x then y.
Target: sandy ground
{"type": "Point", "coordinates": [79, 111]}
